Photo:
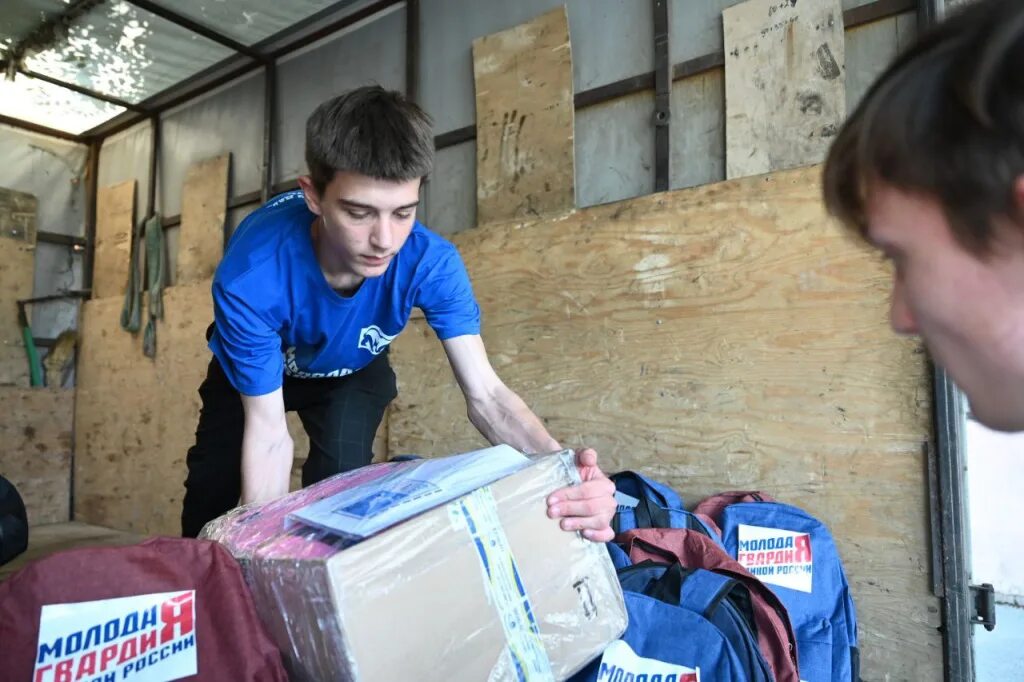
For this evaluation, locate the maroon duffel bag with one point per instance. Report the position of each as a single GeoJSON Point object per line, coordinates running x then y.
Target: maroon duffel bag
{"type": "Point", "coordinates": [165, 609]}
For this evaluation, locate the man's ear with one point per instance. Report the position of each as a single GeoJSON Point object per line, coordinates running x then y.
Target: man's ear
{"type": "Point", "coordinates": [311, 195]}
{"type": "Point", "coordinates": [1018, 195]}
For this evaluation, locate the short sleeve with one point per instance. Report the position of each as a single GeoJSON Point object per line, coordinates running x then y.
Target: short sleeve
{"type": "Point", "coordinates": [246, 344]}
{"type": "Point", "coordinates": [446, 297]}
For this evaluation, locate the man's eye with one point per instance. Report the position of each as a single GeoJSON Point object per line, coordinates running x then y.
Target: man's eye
{"type": "Point", "coordinates": [358, 215]}
{"type": "Point", "coordinates": [403, 215]}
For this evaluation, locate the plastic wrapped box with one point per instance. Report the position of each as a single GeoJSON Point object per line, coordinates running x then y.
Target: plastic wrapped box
{"type": "Point", "coordinates": [485, 587]}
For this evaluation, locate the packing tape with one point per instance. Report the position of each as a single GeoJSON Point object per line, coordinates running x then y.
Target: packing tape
{"type": "Point", "coordinates": [477, 513]}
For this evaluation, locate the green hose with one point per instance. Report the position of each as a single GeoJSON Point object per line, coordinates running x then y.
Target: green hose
{"type": "Point", "coordinates": [35, 367]}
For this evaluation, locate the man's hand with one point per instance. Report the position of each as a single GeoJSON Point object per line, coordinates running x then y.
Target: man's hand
{"type": "Point", "coordinates": [588, 507]}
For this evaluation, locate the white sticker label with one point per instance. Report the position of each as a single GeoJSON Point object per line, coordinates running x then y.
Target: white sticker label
{"type": "Point", "coordinates": [148, 638]}
{"type": "Point", "coordinates": [776, 556]}
{"type": "Point", "coordinates": [477, 514]}
{"type": "Point", "coordinates": [620, 663]}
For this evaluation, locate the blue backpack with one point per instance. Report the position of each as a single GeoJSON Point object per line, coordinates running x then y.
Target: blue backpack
{"type": "Point", "coordinates": [795, 555]}
{"type": "Point", "coordinates": [684, 625]}
{"type": "Point", "coordinates": [644, 503]}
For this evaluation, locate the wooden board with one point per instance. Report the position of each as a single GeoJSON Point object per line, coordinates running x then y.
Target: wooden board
{"type": "Point", "coordinates": [785, 96]}
{"type": "Point", "coordinates": [204, 204]}
{"type": "Point", "coordinates": [524, 120]}
{"type": "Point", "coordinates": [115, 216]}
{"type": "Point", "coordinates": [136, 418]}
{"type": "Point", "coordinates": [35, 449]}
{"type": "Point", "coordinates": [17, 270]}
{"type": "Point", "coordinates": [57, 537]}
{"type": "Point", "coordinates": [724, 337]}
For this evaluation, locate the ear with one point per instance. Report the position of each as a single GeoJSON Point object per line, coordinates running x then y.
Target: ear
{"type": "Point", "coordinates": [311, 195]}
{"type": "Point", "coordinates": [1018, 195]}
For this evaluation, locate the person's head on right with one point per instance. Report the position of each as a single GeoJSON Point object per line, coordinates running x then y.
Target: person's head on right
{"type": "Point", "coordinates": [367, 152]}
{"type": "Point", "coordinates": [929, 169]}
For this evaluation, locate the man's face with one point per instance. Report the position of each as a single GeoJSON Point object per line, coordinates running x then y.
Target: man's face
{"type": "Point", "coordinates": [365, 221]}
{"type": "Point", "coordinates": [969, 310]}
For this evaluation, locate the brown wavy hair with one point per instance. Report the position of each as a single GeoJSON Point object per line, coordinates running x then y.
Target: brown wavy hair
{"type": "Point", "coordinates": [370, 131]}
{"type": "Point", "coordinates": [945, 120]}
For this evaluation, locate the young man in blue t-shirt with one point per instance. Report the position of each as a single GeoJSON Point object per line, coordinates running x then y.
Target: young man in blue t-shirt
{"type": "Point", "coordinates": [312, 289]}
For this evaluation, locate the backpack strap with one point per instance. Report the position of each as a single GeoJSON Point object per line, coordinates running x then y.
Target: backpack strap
{"type": "Point", "coordinates": [695, 589]}
{"type": "Point", "coordinates": [703, 591]}
{"type": "Point", "coordinates": [667, 587]}
{"type": "Point", "coordinates": [647, 515]}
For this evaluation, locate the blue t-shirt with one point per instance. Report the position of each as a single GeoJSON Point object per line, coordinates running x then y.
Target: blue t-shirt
{"type": "Point", "coordinates": [276, 314]}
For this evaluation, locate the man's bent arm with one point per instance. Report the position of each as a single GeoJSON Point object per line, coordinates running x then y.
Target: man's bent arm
{"type": "Point", "coordinates": [266, 448]}
{"type": "Point", "coordinates": [497, 412]}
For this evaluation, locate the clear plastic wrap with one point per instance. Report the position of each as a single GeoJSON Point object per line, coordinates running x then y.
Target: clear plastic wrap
{"type": "Point", "coordinates": [485, 587]}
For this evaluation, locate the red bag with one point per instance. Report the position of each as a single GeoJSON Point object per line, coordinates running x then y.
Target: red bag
{"type": "Point", "coordinates": [710, 509]}
{"type": "Point", "coordinates": [168, 608]}
{"type": "Point", "coordinates": [692, 549]}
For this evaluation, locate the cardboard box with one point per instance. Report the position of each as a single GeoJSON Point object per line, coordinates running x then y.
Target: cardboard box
{"type": "Point", "coordinates": [486, 587]}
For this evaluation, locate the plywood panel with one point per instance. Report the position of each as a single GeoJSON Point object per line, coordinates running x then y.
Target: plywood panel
{"type": "Point", "coordinates": [524, 120]}
{"type": "Point", "coordinates": [17, 267]}
{"type": "Point", "coordinates": [785, 95]}
{"type": "Point", "coordinates": [115, 423]}
{"type": "Point", "coordinates": [727, 336]}
{"type": "Point", "coordinates": [115, 216]}
{"type": "Point", "coordinates": [35, 449]}
{"type": "Point", "coordinates": [136, 417]}
{"type": "Point", "coordinates": [204, 203]}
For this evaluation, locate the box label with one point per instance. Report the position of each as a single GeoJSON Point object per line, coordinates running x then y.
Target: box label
{"type": "Point", "coordinates": [477, 514]}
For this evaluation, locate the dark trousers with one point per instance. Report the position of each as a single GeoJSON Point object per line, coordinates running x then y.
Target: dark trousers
{"type": "Point", "coordinates": [340, 415]}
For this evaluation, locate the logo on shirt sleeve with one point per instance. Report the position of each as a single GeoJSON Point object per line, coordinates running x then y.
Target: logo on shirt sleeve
{"type": "Point", "coordinates": [373, 339]}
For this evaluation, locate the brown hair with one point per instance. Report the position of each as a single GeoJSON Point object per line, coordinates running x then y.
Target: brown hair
{"type": "Point", "coordinates": [946, 120]}
{"type": "Point", "coordinates": [370, 131]}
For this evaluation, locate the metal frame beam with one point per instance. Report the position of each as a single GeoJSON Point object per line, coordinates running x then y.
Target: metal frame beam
{"type": "Point", "coordinates": [662, 96]}
{"type": "Point", "coordinates": [61, 239]}
{"type": "Point", "coordinates": [42, 130]}
{"type": "Point", "coordinates": [412, 50]}
{"type": "Point", "coordinates": [197, 28]}
{"type": "Point", "coordinates": [874, 11]}
{"type": "Point", "coordinates": [95, 94]}
{"type": "Point", "coordinates": [91, 194]}
{"type": "Point", "coordinates": [154, 165]}
{"type": "Point", "coordinates": [950, 506]}
{"type": "Point", "coordinates": [269, 121]}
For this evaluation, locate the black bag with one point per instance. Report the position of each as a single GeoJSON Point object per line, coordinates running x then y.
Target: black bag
{"type": "Point", "coordinates": [13, 522]}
